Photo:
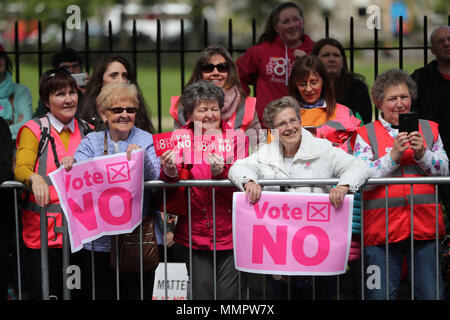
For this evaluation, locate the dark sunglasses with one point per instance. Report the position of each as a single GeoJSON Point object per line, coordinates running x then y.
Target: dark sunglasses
{"type": "Point", "coordinates": [47, 75]}
{"type": "Point", "coordinates": [221, 67]}
{"type": "Point", "coordinates": [119, 110]}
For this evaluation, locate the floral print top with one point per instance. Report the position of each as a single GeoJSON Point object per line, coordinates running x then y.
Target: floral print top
{"type": "Point", "coordinates": [434, 162]}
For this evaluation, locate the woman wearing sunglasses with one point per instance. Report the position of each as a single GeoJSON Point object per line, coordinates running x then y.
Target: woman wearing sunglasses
{"type": "Point", "coordinates": [118, 106]}
{"type": "Point", "coordinates": [216, 65]}
{"type": "Point", "coordinates": [58, 92]}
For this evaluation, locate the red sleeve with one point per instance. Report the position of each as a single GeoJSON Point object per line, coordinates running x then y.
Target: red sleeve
{"type": "Point", "coordinates": [248, 69]}
{"type": "Point", "coordinates": [166, 178]}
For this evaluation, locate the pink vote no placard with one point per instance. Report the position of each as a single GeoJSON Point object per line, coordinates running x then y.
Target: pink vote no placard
{"type": "Point", "coordinates": [101, 196]}
{"type": "Point", "coordinates": [291, 233]}
{"type": "Point", "coordinates": [199, 145]}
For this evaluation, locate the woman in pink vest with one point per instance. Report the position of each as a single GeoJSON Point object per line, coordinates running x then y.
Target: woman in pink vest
{"type": "Point", "coordinates": [62, 133]}
{"type": "Point", "coordinates": [392, 152]}
{"type": "Point", "coordinates": [310, 84]}
{"type": "Point", "coordinates": [216, 65]}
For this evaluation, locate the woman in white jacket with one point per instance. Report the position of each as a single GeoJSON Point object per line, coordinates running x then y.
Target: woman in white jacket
{"type": "Point", "coordinates": [295, 154]}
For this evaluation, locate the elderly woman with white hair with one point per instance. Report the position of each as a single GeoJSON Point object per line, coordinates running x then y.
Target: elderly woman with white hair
{"type": "Point", "coordinates": [117, 105]}
{"type": "Point", "coordinates": [390, 153]}
{"type": "Point", "coordinates": [296, 154]}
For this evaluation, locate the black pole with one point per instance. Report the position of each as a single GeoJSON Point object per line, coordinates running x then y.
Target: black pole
{"type": "Point", "coordinates": [63, 35]}
{"type": "Point", "coordinates": [16, 51]}
{"type": "Point", "coordinates": [86, 45]}
{"type": "Point", "coordinates": [158, 71]}
{"type": "Point", "coordinates": [110, 37]}
{"type": "Point", "coordinates": [425, 41]}
{"type": "Point", "coordinates": [205, 33]}
{"type": "Point", "coordinates": [40, 48]}
{"type": "Point", "coordinates": [182, 53]}
{"type": "Point", "coordinates": [352, 45]}
{"type": "Point", "coordinates": [400, 43]}
{"type": "Point", "coordinates": [230, 36]}
{"type": "Point", "coordinates": [134, 48]}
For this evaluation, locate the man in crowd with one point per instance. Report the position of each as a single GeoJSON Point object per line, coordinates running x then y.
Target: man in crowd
{"type": "Point", "coordinates": [433, 88]}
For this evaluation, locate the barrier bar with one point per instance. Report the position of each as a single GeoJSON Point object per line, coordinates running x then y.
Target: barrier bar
{"type": "Point", "coordinates": [44, 255]}
{"type": "Point", "coordinates": [212, 183]}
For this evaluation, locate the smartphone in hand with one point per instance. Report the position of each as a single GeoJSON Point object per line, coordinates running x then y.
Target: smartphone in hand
{"type": "Point", "coordinates": [80, 78]}
{"type": "Point", "coordinates": [408, 122]}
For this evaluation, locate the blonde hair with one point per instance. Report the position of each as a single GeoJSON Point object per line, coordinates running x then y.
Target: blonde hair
{"type": "Point", "coordinates": [115, 92]}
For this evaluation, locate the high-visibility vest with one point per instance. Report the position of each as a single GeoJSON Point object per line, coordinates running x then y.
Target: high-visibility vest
{"type": "Point", "coordinates": [44, 165]}
{"type": "Point", "coordinates": [240, 119]}
{"type": "Point", "coordinates": [340, 131]}
{"type": "Point", "coordinates": [399, 196]}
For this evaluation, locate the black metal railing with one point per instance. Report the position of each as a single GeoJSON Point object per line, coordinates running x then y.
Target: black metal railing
{"type": "Point", "coordinates": [134, 51]}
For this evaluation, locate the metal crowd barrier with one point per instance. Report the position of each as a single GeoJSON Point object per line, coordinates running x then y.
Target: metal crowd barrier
{"type": "Point", "coordinates": [222, 183]}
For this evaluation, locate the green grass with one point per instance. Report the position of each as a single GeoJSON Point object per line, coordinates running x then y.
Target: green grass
{"type": "Point", "coordinates": [171, 82]}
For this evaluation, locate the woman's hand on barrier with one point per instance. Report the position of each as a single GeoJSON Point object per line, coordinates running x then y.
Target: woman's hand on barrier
{"type": "Point", "coordinates": [40, 189]}
{"type": "Point", "coordinates": [168, 163]}
{"type": "Point", "coordinates": [337, 195]}
{"type": "Point", "coordinates": [217, 164]}
{"type": "Point", "coordinates": [169, 239]}
{"type": "Point", "coordinates": [130, 148]}
{"type": "Point", "coordinates": [253, 191]}
{"type": "Point", "coordinates": [67, 162]}
{"type": "Point", "coordinates": [416, 143]}
{"type": "Point", "coordinates": [400, 146]}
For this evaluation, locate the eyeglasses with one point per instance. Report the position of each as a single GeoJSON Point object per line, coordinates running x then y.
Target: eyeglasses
{"type": "Point", "coordinates": [221, 67]}
{"type": "Point", "coordinates": [283, 124]}
{"type": "Point", "coordinates": [47, 75]}
{"type": "Point", "coordinates": [118, 110]}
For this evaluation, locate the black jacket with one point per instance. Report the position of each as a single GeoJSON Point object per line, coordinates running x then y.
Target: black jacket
{"type": "Point", "coordinates": [358, 100]}
{"type": "Point", "coordinates": [433, 99]}
{"type": "Point", "coordinates": [6, 195]}
{"type": "Point", "coordinates": [6, 147]}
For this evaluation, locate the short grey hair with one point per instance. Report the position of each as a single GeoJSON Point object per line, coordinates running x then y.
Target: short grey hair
{"type": "Point", "coordinates": [200, 91]}
{"type": "Point", "coordinates": [390, 78]}
{"type": "Point", "coordinates": [436, 30]}
{"type": "Point", "coordinates": [275, 106]}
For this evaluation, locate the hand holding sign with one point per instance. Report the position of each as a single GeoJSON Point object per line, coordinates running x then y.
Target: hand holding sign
{"type": "Point", "coordinates": [130, 148]}
{"type": "Point", "coordinates": [217, 164]}
{"type": "Point", "coordinates": [67, 162]}
{"type": "Point", "coordinates": [291, 233]}
{"type": "Point", "coordinates": [253, 191]}
{"type": "Point", "coordinates": [101, 196]}
{"type": "Point", "coordinates": [337, 195]}
{"type": "Point", "coordinates": [168, 163]}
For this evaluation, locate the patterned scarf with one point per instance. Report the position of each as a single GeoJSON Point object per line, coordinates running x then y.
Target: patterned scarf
{"type": "Point", "coordinates": [232, 98]}
{"type": "Point", "coordinates": [6, 90]}
{"type": "Point", "coordinates": [319, 103]}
